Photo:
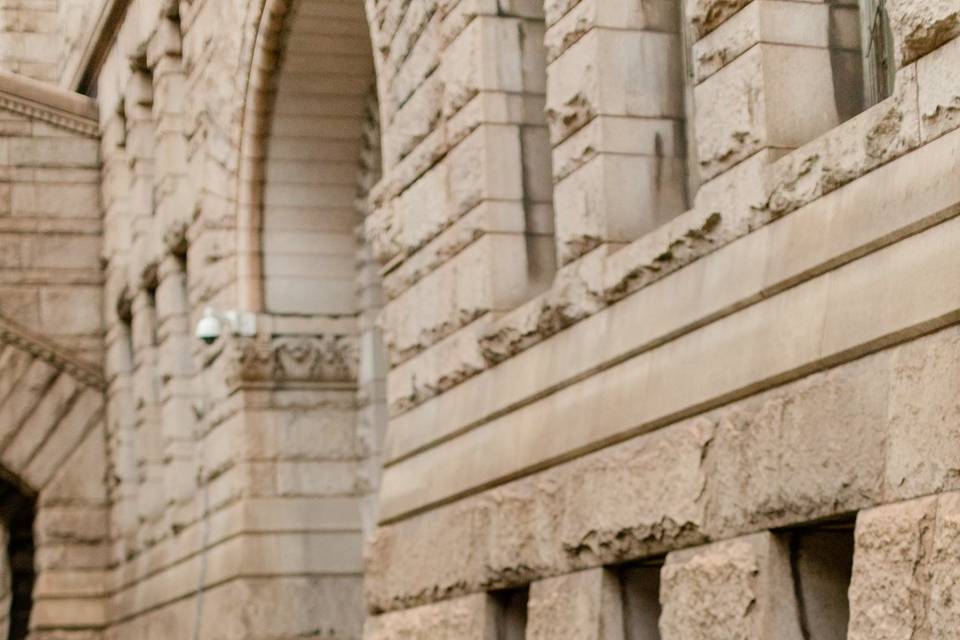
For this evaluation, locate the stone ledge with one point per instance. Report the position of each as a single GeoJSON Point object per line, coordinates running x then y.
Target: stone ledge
{"type": "Point", "coordinates": [35, 99]}
{"type": "Point", "coordinates": [780, 335]}
{"type": "Point", "coordinates": [590, 285]}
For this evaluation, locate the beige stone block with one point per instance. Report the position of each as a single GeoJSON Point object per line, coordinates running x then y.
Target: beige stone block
{"type": "Point", "coordinates": [77, 480]}
{"type": "Point", "coordinates": [740, 589]}
{"type": "Point", "coordinates": [414, 121]}
{"type": "Point", "coordinates": [775, 96]}
{"type": "Point", "coordinates": [616, 73]}
{"type": "Point", "coordinates": [435, 371]}
{"type": "Point", "coordinates": [70, 310]}
{"type": "Point", "coordinates": [761, 21]}
{"type": "Point", "coordinates": [945, 569]}
{"type": "Point", "coordinates": [881, 133]}
{"type": "Point", "coordinates": [707, 15]}
{"type": "Point", "coordinates": [889, 587]}
{"type": "Point", "coordinates": [469, 618]}
{"type": "Point", "coordinates": [618, 135]}
{"type": "Point", "coordinates": [584, 606]}
{"type": "Point", "coordinates": [920, 26]}
{"type": "Point", "coordinates": [486, 56]}
{"type": "Point", "coordinates": [489, 275]}
{"type": "Point", "coordinates": [490, 216]}
{"type": "Point", "coordinates": [923, 445]}
{"type": "Point", "coordinates": [616, 198]}
{"type": "Point", "coordinates": [938, 77]}
{"type": "Point", "coordinates": [647, 15]}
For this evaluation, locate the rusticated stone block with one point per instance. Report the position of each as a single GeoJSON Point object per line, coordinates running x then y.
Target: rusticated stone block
{"type": "Point", "coordinates": [614, 72]}
{"type": "Point", "coordinates": [764, 449]}
{"type": "Point", "coordinates": [923, 446]}
{"type": "Point", "coordinates": [938, 77]}
{"type": "Point", "coordinates": [888, 591]}
{"type": "Point", "coordinates": [707, 15]}
{"type": "Point", "coordinates": [878, 135]}
{"type": "Point", "coordinates": [736, 590]}
{"type": "Point", "coordinates": [774, 96]}
{"type": "Point", "coordinates": [469, 618]}
{"type": "Point", "coordinates": [944, 613]}
{"type": "Point", "coordinates": [640, 15]}
{"type": "Point", "coordinates": [554, 522]}
{"type": "Point", "coordinates": [578, 606]}
{"type": "Point", "coordinates": [920, 26]}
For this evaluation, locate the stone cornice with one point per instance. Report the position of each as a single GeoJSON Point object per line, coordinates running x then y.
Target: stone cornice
{"type": "Point", "coordinates": [47, 103]}
{"type": "Point", "coordinates": [317, 359]}
{"type": "Point", "coordinates": [39, 347]}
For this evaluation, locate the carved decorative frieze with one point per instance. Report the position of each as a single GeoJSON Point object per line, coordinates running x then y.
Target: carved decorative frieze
{"type": "Point", "coordinates": [280, 359]}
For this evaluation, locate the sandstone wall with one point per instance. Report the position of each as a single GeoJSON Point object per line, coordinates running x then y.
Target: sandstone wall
{"type": "Point", "coordinates": [658, 310]}
{"type": "Point", "coordinates": [694, 369]}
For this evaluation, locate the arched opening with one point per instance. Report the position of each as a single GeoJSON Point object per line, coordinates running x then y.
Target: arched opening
{"type": "Point", "coordinates": [17, 569]}
{"type": "Point", "coordinates": [311, 142]}
{"type": "Point", "coordinates": [310, 153]}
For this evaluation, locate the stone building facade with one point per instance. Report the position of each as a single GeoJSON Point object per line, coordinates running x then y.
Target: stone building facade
{"type": "Point", "coordinates": [543, 319]}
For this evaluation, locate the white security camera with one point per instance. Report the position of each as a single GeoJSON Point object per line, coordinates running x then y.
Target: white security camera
{"type": "Point", "coordinates": [209, 327]}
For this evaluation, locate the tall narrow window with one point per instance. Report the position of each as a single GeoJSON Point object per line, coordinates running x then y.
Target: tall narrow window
{"type": "Point", "coordinates": [821, 560]}
{"type": "Point", "coordinates": [640, 593]}
{"type": "Point", "coordinates": [861, 55]}
{"type": "Point", "coordinates": [879, 69]}
{"type": "Point", "coordinates": [511, 613]}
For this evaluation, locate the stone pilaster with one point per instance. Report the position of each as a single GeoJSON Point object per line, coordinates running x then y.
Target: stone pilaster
{"type": "Point", "coordinates": [615, 109]}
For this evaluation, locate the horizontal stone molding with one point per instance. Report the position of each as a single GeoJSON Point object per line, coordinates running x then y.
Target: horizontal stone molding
{"type": "Point", "coordinates": [731, 324]}
{"type": "Point", "coordinates": [64, 109]}
{"type": "Point", "coordinates": [874, 431]}
{"type": "Point", "coordinates": [88, 374]}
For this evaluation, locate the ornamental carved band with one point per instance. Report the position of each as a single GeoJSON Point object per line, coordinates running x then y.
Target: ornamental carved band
{"type": "Point", "coordinates": [279, 359]}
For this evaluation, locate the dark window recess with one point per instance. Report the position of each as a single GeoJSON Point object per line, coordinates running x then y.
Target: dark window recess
{"type": "Point", "coordinates": [511, 607]}
{"type": "Point", "coordinates": [821, 562]}
{"type": "Point", "coordinates": [17, 511]}
{"type": "Point", "coordinates": [640, 594]}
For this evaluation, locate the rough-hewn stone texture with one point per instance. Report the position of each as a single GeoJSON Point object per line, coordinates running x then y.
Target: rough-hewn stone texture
{"type": "Point", "coordinates": [751, 329]}
{"type": "Point", "coordinates": [584, 605]}
{"type": "Point", "coordinates": [732, 590]}
{"type": "Point", "coordinates": [920, 26]}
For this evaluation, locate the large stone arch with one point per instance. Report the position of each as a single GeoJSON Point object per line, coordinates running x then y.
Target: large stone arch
{"type": "Point", "coordinates": [53, 502]}
{"type": "Point", "coordinates": [267, 82]}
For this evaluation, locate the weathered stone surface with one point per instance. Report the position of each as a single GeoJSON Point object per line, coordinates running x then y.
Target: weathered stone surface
{"type": "Point", "coordinates": [938, 77]}
{"type": "Point", "coordinates": [739, 589]}
{"type": "Point", "coordinates": [880, 134]}
{"type": "Point", "coordinates": [581, 606]}
{"type": "Point", "coordinates": [923, 443]}
{"type": "Point", "coordinates": [550, 523]}
{"type": "Point", "coordinates": [889, 591]}
{"type": "Point", "coordinates": [469, 618]}
{"type": "Point", "coordinates": [920, 26]}
{"type": "Point", "coordinates": [707, 15]}
{"type": "Point", "coordinates": [581, 86]}
{"type": "Point", "coordinates": [777, 21]}
{"type": "Point", "coordinates": [945, 568]}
